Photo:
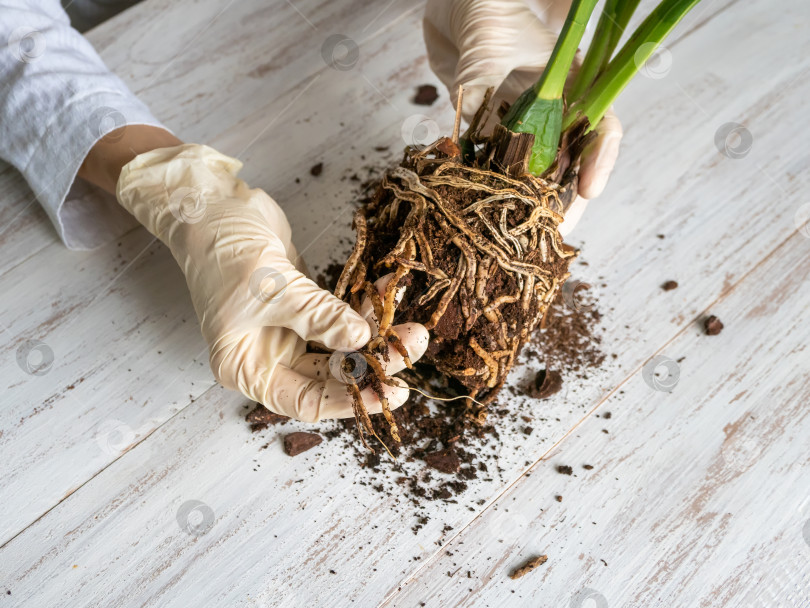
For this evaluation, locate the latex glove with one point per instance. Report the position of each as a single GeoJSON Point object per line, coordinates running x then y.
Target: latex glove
{"type": "Point", "coordinates": [257, 308]}
{"type": "Point", "coordinates": [503, 43]}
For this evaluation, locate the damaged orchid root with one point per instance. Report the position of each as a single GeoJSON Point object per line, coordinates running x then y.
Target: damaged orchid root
{"type": "Point", "coordinates": [475, 240]}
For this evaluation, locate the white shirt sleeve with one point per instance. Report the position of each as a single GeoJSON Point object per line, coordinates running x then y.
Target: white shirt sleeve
{"type": "Point", "coordinates": [57, 99]}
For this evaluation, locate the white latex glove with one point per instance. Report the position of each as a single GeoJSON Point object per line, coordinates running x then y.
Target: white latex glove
{"type": "Point", "coordinates": [256, 306]}
{"type": "Point", "coordinates": [503, 43]}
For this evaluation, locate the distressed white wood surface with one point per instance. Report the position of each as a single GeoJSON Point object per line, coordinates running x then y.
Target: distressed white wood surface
{"type": "Point", "coordinates": [93, 477]}
{"type": "Point", "coordinates": [697, 497]}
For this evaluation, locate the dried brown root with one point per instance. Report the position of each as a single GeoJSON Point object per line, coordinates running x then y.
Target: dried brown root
{"type": "Point", "coordinates": [354, 258]}
{"type": "Point", "coordinates": [377, 386]}
{"type": "Point", "coordinates": [363, 422]}
{"type": "Point", "coordinates": [491, 364]}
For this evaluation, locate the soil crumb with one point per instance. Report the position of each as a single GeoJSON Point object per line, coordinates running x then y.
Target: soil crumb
{"type": "Point", "coordinates": [564, 469]}
{"type": "Point", "coordinates": [528, 566]}
{"type": "Point", "coordinates": [316, 170]}
{"type": "Point", "coordinates": [712, 325]}
{"type": "Point", "coordinates": [670, 285]}
{"type": "Point", "coordinates": [426, 95]}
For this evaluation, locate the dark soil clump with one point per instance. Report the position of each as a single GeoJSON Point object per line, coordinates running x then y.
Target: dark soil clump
{"type": "Point", "coordinates": [445, 461]}
{"type": "Point", "coordinates": [426, 95]}
{"type": "Point", "coordinates": [260, 418]}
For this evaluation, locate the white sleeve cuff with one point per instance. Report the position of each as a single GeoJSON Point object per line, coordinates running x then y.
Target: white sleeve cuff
{"type": "Point", "coordinates": [85, 216]}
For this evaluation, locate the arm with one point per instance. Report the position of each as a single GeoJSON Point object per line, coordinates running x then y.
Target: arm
{"type": "Point", "coordinates": [64, 114]}
{"type": "Point", "coordinates": [102, 165]}
{"type": "Point", "coordinates": [57, 100]}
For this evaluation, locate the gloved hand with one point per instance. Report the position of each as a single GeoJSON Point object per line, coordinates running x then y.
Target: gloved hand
{"type": "Point", "coordinates": [256, 306]}
{"type": "Point", "coordinates": [502, 43]}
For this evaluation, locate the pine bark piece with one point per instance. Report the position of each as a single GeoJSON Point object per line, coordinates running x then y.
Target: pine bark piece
{"type": "Point", "coordinates": [528, 566]}
{"type": "Point", "coordinates": [260, 418]}
{"type": "Point", "coordinates": [512, 150]}
{"type": "Point", "coordinates": [297, 443]}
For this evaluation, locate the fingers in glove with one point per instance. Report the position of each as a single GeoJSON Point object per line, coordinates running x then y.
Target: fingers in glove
{"type": "Point", "coordinates": [490, 40]}
{"type": "Point", "coordinates": [290, 299]}
{"type": "Point", "coordinates": [573, 215]}
{"type": "Point", "coordinates": [599, 157]}
{"type": "Point", "coordinates": [298, 396]}
{"type": "Point", "coordinates": [323, 367]}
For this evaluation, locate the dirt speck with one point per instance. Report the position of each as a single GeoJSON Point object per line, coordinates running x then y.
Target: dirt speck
{"type": "Point", "coordinates": [445, 460]}
{"type": "Point", "coordinates": [712, 325]}
{"type": "Point", "coordinates": [529, 566]}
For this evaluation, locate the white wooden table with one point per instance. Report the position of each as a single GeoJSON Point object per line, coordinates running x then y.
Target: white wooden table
{"type": "Point", "coordinates": [699, 496]}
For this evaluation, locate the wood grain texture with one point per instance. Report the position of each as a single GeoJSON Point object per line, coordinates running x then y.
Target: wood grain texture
{"type": "Point", "coordinates": [95, 476]}
{"type": "Point", "coordinates": [697, 496]}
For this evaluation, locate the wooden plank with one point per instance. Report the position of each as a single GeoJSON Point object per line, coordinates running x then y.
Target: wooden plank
{"type": "Point", "coordinates": [697, 497]}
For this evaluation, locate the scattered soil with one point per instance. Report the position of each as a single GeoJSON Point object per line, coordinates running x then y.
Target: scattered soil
{"type": "Point", "coordinates": [427, 427]}
{"type": "Point", "coordinates": [426, 94]}
{"type": "Point", "coordinates": [569, 342]}
{"type": "Point", "coordinates": [528, 566]}
{"type": "Point", "coordinates": [432, 432]}
{"type": "Point", "coordinates": [670, 285]}
{"type": "Point", "coordinates": [260, 418]}
{"type": "Point", "coordinates": [316, 170]}
{"type": "Point", "coordinates": [297, 443]}
{"type": "Point", "coordinates": [712, 325]}
{"type": "Point", "coordinates": [558, 498]}
{"type": "Point", "coordinates": [607, 415]}
{"type": "Point", "coordinates": [587, 467]}
{"type": "Point", "coordinates": [564, 469]}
